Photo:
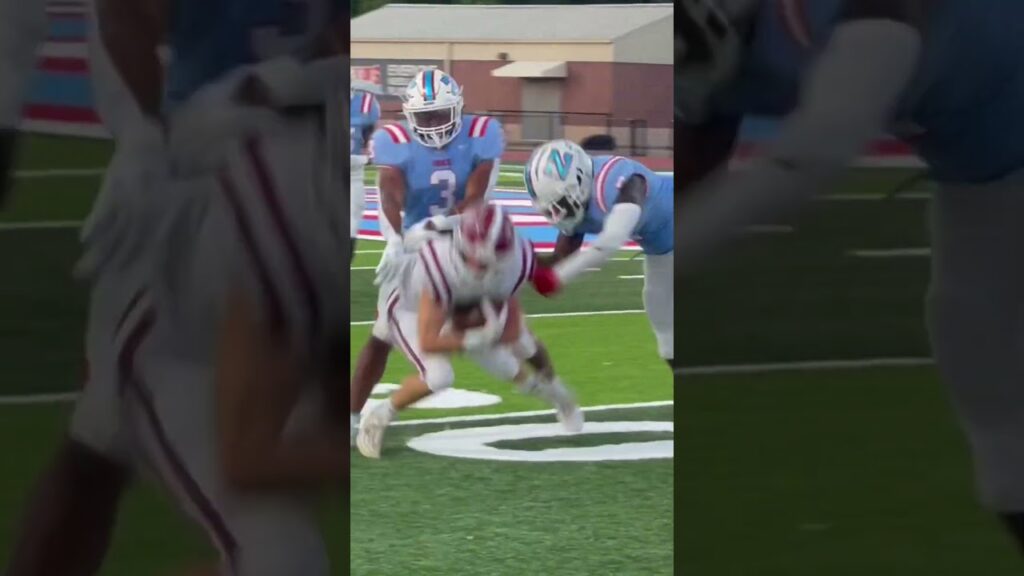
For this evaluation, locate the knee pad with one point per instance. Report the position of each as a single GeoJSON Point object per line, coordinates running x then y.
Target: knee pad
{"type": "Point", "coordinates": [526, 347]}
{"type": "Point", "coordinates": [438, 373]}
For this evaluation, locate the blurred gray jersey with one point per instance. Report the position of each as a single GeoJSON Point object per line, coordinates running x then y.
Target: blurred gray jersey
{"type": "Point", "coordinates": [270, 223]}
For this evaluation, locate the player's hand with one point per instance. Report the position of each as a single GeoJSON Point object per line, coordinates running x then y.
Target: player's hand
{"type": "Point", "coordinates": [392, 263]}
{"type": "Point", "coordinates": [487, 335]}
{"type": "Point", "coordinates": [545, 281]}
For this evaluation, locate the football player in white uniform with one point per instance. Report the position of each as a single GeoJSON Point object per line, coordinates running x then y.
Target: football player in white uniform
{"type": "Point", "coordinates": [483, 263]}
{"type": "Point", "coordinates": [74, 506]}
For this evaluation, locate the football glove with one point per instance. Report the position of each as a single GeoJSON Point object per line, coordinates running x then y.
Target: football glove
{"type": "Point", "coordinates": [485, 336]}
{"type": "Point", "coordinates": [545, 281]}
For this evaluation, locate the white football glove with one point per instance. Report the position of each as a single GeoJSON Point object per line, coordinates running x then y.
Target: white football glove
{"type": "Point", "coordinates": [391, 262]}
{"type": "Point", "coordinates": [487, 335]}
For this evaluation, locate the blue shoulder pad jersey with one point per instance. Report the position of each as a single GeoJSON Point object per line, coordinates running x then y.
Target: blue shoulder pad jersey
{"type": "Point", "coordinates": [435, 179]}
{"type": "Point", "coordinates": [962, 112]}
{"type": "Point", "coordinates": [209, 38]}
{"type": "Point", "coordinates": [364, 112]}
{"type": "Point", "coordinates": [654, 232]}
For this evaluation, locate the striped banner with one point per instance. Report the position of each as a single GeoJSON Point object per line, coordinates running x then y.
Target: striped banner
{"type": "Point", "coordinates": [60, 99]}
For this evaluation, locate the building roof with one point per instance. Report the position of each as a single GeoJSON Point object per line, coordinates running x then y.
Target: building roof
{"type": "Point", "coordinates": [519, 23]}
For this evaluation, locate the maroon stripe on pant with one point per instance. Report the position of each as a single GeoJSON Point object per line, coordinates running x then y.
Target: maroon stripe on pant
{"type": "Point", "coordinates": [225, 540]}
{"type": "Point", "coordinates": [409, 352]}
{"type": "Point", "coordinates": [273, 299]}
{"type": "Point", "coordinates": [273, 203]}
{"type": "Point", "coordinates": [440, 271]}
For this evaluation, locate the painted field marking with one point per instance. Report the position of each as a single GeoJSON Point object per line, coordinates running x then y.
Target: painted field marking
{"type": "Point", "coordinates": [632, 277]}
{"type": "Point", "coordinates": [892, 253]}
{"type": "Point", "coordinates": [806, 366]}
{"type": "Point", "coordinates": [39, 225]}
{"type": "Point", "coordinates": [527, 413]}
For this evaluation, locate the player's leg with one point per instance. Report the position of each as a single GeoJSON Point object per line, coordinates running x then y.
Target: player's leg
{"type": "Point", "coordinates": [372, 361]}
{"type": "Point", "coordinates": [659, 301]}
{"type": "Point", "coordinates": [977, 330]}
{"type": "Point", "coordinates": [433, 374]}
{"type": "Point", "coordinates": [172, 411]}
{"type": "Point", "coordinates": [75, 504]}
{"type": "Point", "coordinates": [505, 363]}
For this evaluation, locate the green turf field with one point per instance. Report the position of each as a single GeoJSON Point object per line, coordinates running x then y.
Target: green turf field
{"type": "Point", "coordinates": [431, 514]}
{"type": "Point", "coordinates": [794, 465]}
{"type": "Point", "coordinates": [42, 313]}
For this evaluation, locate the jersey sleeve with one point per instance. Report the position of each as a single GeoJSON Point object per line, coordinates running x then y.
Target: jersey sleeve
{"type": "Point", "coordinates": [526, 262]}
{"type": "Point", "coordinates": [390, 146]}
{"type": "Point", "coordinates": [609, 180]}
{"type": "Point", "coordinates": [488, 138]}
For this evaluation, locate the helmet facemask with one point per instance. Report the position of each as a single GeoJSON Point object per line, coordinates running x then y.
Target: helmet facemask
{"type": "Point", "coordinates": [434, 116]}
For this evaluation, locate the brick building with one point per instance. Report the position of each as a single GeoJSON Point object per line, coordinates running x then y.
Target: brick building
{"type": "Point", "coordinates": [546, 70]}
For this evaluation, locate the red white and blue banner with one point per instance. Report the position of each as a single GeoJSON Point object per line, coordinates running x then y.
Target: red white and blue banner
{"type": "Point", "coordinates": [60, 97]}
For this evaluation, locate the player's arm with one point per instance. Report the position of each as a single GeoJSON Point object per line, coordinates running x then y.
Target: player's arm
{"type": "Point", "coordinates": [488, 147]}
{"type": "Point", "coordinates": [432, 318]}
{"type": "Point", "coordinates": [513, 323]}
{"type": "Point", "coordinates": [132, 30]}
{"type": "Point", "coordinates": [618, 227]}
{"type": "Point", "coordinates": [848, 98]}
{"type": "Point", "coordinates": [391, 183]}
{"type": "Point", "coordinates": [257, 381]}
{"type": "Point", "coordinates": [22, 29]}
{"type": "Point", "coordinates": [480, 180]}
{"type": "Point", "coordinates": [565, 246]}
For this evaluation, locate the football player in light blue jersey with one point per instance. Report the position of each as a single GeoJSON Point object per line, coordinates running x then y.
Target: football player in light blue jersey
{"type": "Point", "coordinates": [364, 113]}
{"type": "Point", "coordinates": [944, 76]}
{"type": "Point", "coordinates": [617, 199]}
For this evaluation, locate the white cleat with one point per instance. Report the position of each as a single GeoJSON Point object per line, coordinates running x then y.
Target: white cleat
{"type": "Point", "coordinates": [555, 393]}
{"type": "Point", "coordinates": [371, 430]}
{"type": "Point", "coordinates": [568, 411]}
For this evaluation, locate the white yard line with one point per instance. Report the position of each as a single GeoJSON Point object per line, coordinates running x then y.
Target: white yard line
{"type": "Point", "coordinates": [635, 277]}
{"type": "Point", "coordinates": [550, 315]}
{"type": "Point", "coordinates": [891, 253]}
{"type": "Point", "coordinates": [59, 173]}
{"type": "Point", "coordinates": [527, 414]}
{"type": "Point", "coordinates": [29, 399]}
{"type": "Point", "coordinates": [39, 225]}
{"type": "Point", "coordinates": [804, 366]}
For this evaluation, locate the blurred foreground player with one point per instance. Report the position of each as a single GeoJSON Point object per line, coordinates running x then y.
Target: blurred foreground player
{"type": "Point", "coordinates": [944, 76]}
{"type": "Point", "coordinates": [67, 524]}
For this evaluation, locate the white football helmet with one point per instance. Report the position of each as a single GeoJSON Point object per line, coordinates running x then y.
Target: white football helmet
{"type": "Point", "coordinates": [432, 104]}
{"type": "Point", "coordinates": [559, 177]}
{"type": "Point", "coordinates": [484, 238]}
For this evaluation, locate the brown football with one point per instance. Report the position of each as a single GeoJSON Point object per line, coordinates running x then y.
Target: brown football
{"type": "Point", "coordinates": [466, 316]}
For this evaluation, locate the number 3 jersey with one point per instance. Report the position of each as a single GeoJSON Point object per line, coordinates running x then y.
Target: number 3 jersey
{"type": "Point", "coordinates": [435, 179]}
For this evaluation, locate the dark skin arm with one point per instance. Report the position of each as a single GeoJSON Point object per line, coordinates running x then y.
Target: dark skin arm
{"type": "Point", "coordinates": [476, 186]}
{"type": "Point", "coordinates": [391, 182]}
{"type": "Point", "coordinates": [132, 30]}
